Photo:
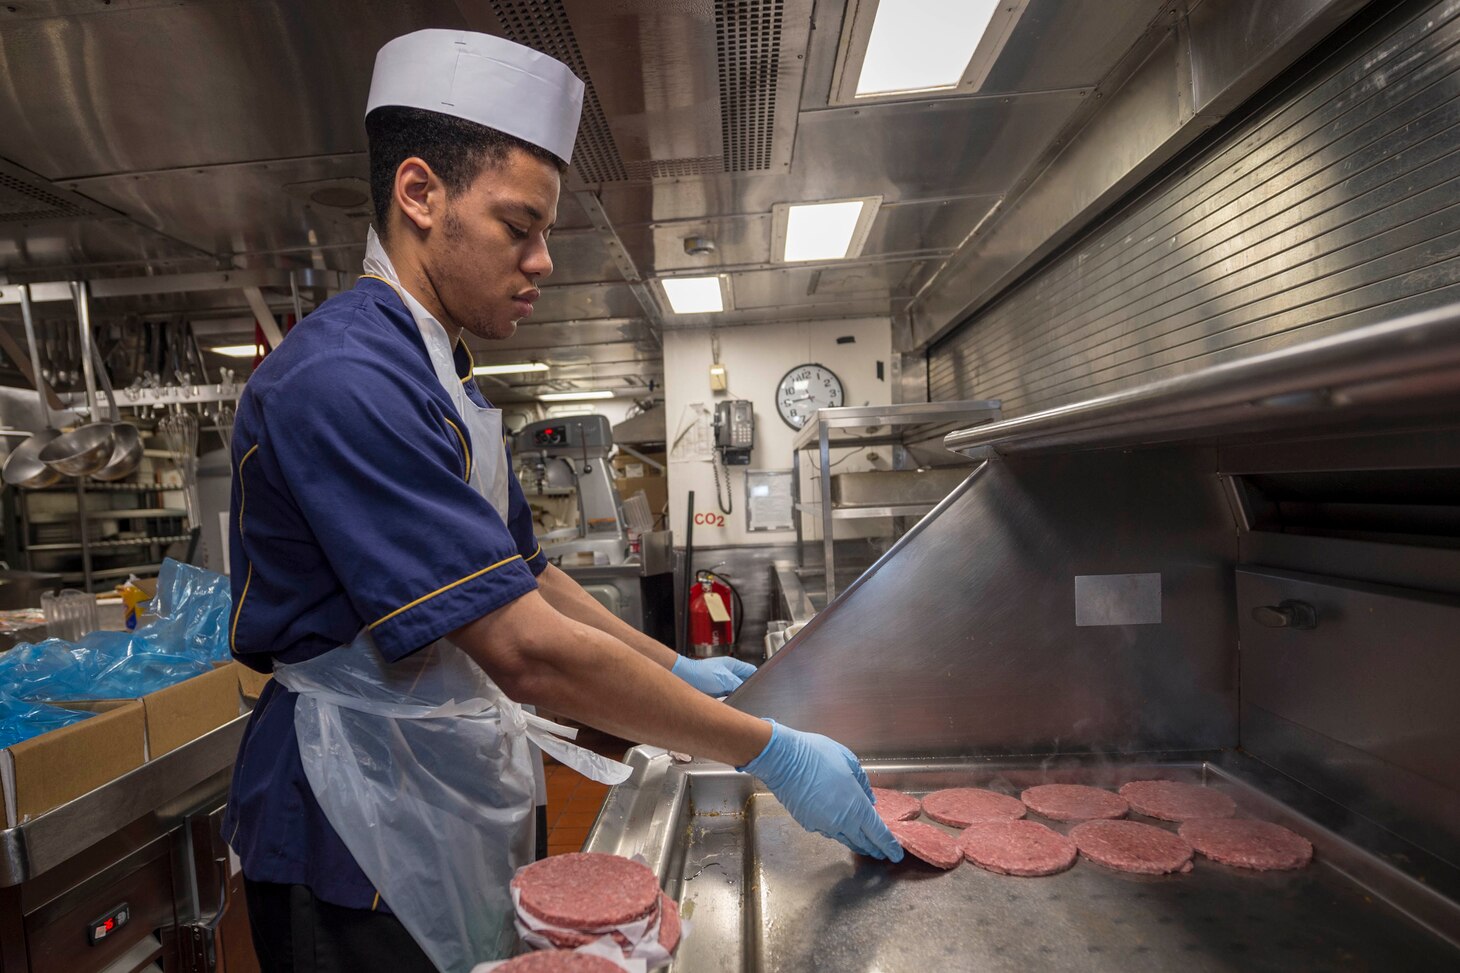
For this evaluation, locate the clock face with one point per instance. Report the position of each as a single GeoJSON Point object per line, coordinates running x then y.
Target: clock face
{"type": "Point", "coordinates": [805, 389]}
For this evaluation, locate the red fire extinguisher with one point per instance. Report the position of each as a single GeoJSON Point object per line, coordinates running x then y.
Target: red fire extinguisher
{"type": "Point", "coordinates": [714, 615]}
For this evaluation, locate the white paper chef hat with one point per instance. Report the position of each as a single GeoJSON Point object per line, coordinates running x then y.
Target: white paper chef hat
{"type": "Point", "coordinates": [484, 79]}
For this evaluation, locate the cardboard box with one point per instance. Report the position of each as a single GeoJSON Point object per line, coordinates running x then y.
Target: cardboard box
{"type": "Point", "coordinates": [250, 684]}
{"type": "Point", "coordinates": [623, 461]}
{"type": "Point", "coordinates": [47, 771]}
{"type": "Point", "coordinates": [656, 490]}
{"type": "Point", "coordinates": [183, 712]}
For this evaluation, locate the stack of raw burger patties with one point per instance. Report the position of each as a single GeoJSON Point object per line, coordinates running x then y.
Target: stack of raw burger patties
{"type": "Point", "coordinates": [995, 835]}
{"type": "Point", "coordinates": [568, 902]}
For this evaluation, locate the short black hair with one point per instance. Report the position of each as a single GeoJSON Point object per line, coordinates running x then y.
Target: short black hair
{"type": "Point", "coordinates": [456, 150]}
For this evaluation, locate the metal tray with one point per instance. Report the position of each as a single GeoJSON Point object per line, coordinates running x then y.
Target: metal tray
{"type": "Point", "coordinates": [762, 894]}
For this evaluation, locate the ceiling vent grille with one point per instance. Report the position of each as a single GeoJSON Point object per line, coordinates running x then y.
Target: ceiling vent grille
{"type": "Point", "coordinates": [707, 165]}
{"type": "Point", "coordinates": [748, 51]}
{"type": "Point", "coordinates": [543, 25]}
{"type": "Point", "coordinates": [21, 200]}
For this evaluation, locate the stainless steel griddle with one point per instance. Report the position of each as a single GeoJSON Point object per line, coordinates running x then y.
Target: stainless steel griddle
{"type": "Point", "coordinates": [762, 894]}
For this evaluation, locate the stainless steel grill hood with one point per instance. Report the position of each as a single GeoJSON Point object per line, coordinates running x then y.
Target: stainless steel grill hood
{"type": "Point", "coordinates": [1247, 577]}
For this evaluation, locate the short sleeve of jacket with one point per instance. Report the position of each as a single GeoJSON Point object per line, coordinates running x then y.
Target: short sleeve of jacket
{"type": "Point", "coordinates": [519, 522]}
{"type": "Point", "coordinates": [376, 464]}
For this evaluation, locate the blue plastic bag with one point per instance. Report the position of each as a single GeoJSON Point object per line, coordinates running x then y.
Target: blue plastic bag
{"type": "Point", "coordinates": [20, 720]}
{"type": "Point", "coordinates": [190, 634]}
{"type": "Point", "coordinates": [194, 606]}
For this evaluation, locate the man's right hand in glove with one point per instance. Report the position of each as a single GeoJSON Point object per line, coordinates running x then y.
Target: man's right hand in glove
{"type": "Point", "coordinates": [821, 783]}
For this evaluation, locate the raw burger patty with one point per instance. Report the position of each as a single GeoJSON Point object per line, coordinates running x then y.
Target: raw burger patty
{"type": "Point", "coordinates": [567, 939]}
{"type": "Point", "coordinates": [1132, 847]}
{"type": "Point", "coordinates": [669, 927]}
{"type": "Point", "coordinates": [559, 961]}
{"type": "Point", "coordinates": [924, 841]}
{"type": "Point", "coordinates": [896, 806]}
{"type": "Point", "coordinates": [1074, 802]}
{"type": "Point", "coordinates": [1170, 800]}
{"type": "Point", "coordinates": [1248, 844]}
{"type": "Point", "coordinates": [587, 891]}
{"type": "Point", "coordinates": [959, 807]}
{"type": "Point", "coordinates": [1016, 848]}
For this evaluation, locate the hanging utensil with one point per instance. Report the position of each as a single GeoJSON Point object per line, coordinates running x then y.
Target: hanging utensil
{"type": "Point", "coordinates": [48, 339]}
{"type": "Point", "coordinates": [127, 453]}
{"type": "Point", "coordinates": [180, 434]}
{"type": "Point", "coordinates": [23, 467]}
{"type": "Point", "coordinates": [84, 450]}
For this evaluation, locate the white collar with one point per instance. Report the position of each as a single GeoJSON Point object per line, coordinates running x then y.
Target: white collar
{"type": "Point", "coordinates": [377, 262]}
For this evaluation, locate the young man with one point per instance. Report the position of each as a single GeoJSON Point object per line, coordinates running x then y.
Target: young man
{"type": "Point", "coordinates": [384, 565]}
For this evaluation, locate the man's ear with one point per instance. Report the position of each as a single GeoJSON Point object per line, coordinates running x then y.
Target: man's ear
{"type": "Point", "coordinates": [419, 193]}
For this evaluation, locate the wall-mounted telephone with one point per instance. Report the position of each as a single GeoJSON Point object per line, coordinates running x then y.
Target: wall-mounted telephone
{"type": "Point", "coordinates": [734, 431]}
{"type": "Point", "coordinates": [734, 439]}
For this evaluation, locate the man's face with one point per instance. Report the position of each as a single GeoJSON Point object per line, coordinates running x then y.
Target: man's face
{"type": "Point", "coordinates": [492, 250]}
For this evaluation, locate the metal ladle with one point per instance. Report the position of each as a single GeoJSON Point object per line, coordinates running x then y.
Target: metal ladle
{"type": "Point", "coordinates": [23, 467]}
{"type": "Point", "coordinates": [127, 452]}
{"type": "Point", "coordinates": [84, 450]}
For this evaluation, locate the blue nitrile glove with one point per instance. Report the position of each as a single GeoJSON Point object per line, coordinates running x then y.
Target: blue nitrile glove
{"type": "Point", "coordinates": [719, 676]}
{"type": "Point", "coordinates": [821, 783]}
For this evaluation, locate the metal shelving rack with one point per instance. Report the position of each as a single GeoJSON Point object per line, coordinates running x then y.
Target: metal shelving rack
{"type": "Point", "coordinates": [829, 429]}
{"type": "Point", "coordinates": [149, 547]}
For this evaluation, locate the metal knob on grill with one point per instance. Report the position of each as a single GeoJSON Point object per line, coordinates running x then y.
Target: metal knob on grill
{"type": "Point", "coordinates": [1287, 614]}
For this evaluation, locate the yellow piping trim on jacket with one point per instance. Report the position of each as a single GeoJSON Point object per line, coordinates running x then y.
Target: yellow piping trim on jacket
{"type": "Point", "coordinates": [376, 904]}
{"type": "Point", "coordinates": [444, 588]}
{"type": "Point", "coordinates": [471, 362]}
{"type": "Point", "coordinates": [242, 502]}
{"type": "Point", "coordinates": [465, 449]}
{"type": "Point", "coordinates": [535, 553]}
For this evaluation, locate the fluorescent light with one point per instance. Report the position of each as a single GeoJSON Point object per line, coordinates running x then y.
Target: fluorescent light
{"type": "Point", "coordinates": [575, 396]}
{"type": "Point", "coordinates": [831, 229]}
{"type": "Point", "coordinates": [511, 369]}
{"type": "Point", "coordinates": [563, 411]}
{"type": "Point", "coordinates": [922, 45]}
{"type": "Point", "coordinates": [693, 295]}
{"type": "Point", "coordinates": [235, 351]}
{"type": "Point", "coordinates": [821, 231]}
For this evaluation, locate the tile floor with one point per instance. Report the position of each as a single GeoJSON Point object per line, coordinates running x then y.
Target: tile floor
{"type": "Point", "coordinates": [574, 800]}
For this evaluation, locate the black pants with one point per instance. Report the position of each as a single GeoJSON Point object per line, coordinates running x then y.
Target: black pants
{"type": "Point", "coordinates": [294, 932]}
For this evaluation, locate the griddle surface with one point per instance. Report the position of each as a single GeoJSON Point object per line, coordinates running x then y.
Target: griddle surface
{"type": "Point", "coordinates": [765, 895]}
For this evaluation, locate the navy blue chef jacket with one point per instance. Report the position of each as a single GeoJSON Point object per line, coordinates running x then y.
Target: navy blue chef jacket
{"type": "Point", "coordinates": [351, 509]}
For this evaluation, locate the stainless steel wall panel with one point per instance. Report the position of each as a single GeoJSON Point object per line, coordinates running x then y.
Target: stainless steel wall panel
{"type": "Point", "coordinates": [962, 640]}
{"type": "Point", "coordinates": [1365, 696]}
{"type": "Point", "coordinates": [1068, 43]}
{"type": "Point", "coordinates": [901, 151]}
{"type": "Point", "coordinates": [570, 302]}
{"type": "Point", "coordinates": [241, 208]}
{"type": "Point", "coordinates": [1331, 206]}
{"type": "Point", "coordinates": [148, 87]}
{"type": "Point", "coordinates": [925, 225]}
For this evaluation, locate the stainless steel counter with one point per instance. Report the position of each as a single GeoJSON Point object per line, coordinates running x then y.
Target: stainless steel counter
{"type": "Point", "coordinates": [762, 894]}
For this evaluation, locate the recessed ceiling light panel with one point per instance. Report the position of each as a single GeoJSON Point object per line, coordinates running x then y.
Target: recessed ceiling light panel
{"type": "Point", "coordinates": [235, 351]}
{"type": "Point", "coordinates": [511, 368]}
{"type": "Point", "coordinates": [899, 48]}
{"type": "Point", "coordinates": [576, 396]}
{"type": "Point", "coordinates": [696, 295]}
{"type": "Point", "coordinates": [831, 230]}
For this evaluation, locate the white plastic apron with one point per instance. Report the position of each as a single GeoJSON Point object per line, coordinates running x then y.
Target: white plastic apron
{"type": "Point", "coordinates": [423, 766]}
